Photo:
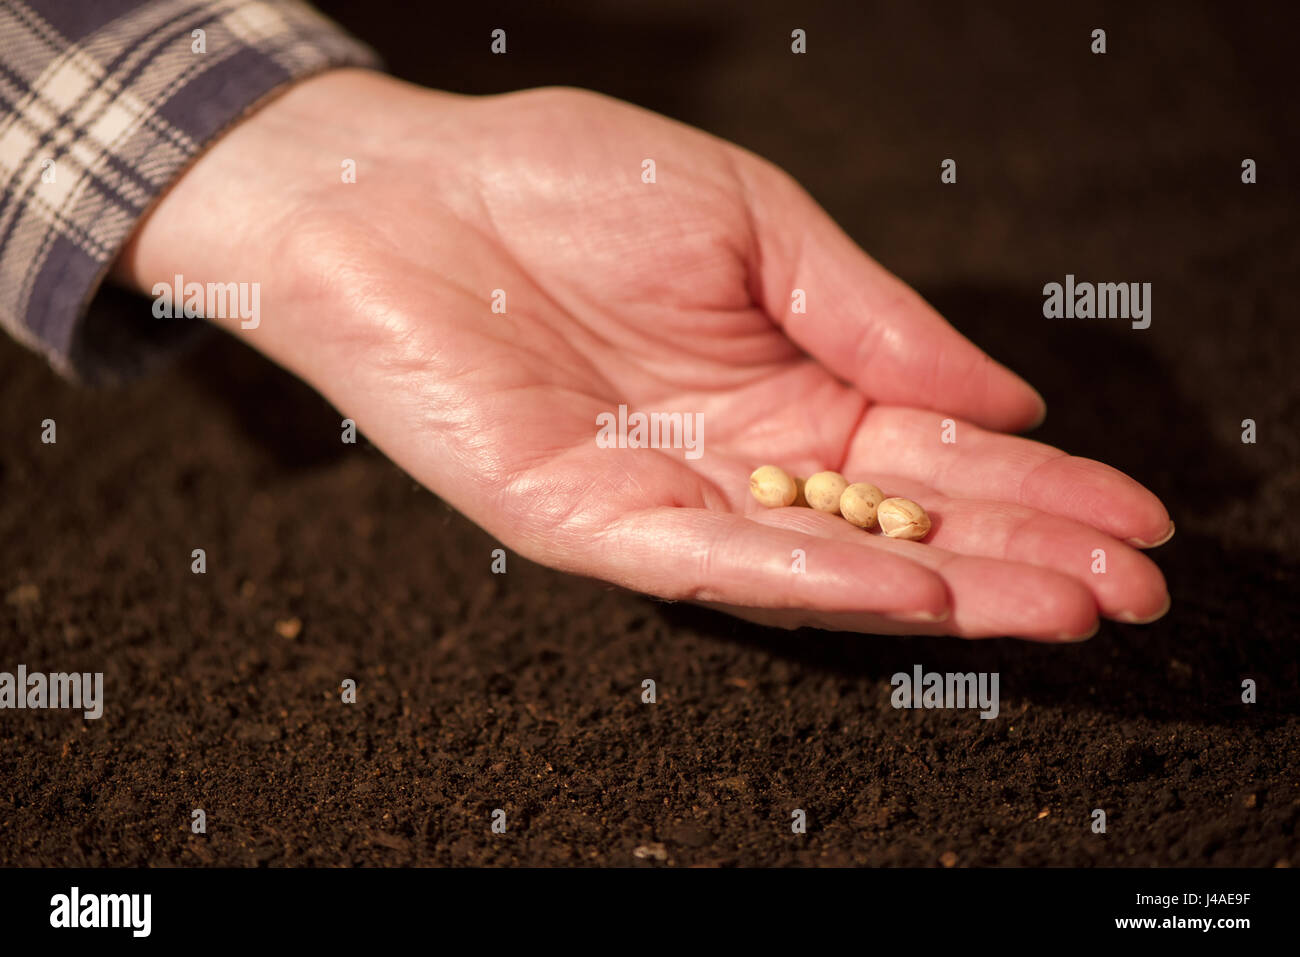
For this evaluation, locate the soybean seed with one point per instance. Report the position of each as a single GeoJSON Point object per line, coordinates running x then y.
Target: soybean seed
{"type": "Point", "coordinates": [772, 486]}
{"type": "Point", "coordinates": [823, 491]}
{"type": "Point", "coordinates": [859, 503]}
{"type": "Point", "coordinates": [903, 518]}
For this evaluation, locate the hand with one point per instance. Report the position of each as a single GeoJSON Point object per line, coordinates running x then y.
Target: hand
{"type": "Point", "coordinates": [673, 296]}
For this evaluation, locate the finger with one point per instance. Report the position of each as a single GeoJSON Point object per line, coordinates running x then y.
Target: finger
{"type": "Point", "coordinates": [1125, 584]}
{"type": "Point", "coordinates": [988, 466]}
{"type": "Point", "coordinates": [988, 597]}
{"type": "Point", "coordinates": [791, 618]}
{"type": "Point", "coordinates": [701, 555]}
{"type": "Point", "coordinates": [863, 323]}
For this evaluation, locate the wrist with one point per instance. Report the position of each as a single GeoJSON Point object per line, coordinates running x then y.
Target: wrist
{"type": "Point", "coordinates": [232, 216]}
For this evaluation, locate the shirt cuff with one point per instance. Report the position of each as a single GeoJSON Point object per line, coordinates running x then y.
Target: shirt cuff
{"type": "Point", "coordinates": [104, 105]}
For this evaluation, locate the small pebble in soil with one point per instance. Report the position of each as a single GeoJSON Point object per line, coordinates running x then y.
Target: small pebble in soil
{"type": "Point", "coordinates": [24, 595]}
{"type": "Point", "coordinates": [289, 628]}
{"type": "Point", "coordinates": [654, 851]}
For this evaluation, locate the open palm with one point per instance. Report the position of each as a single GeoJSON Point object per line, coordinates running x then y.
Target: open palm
{"type": "Point", "coordinates": [671, 296]}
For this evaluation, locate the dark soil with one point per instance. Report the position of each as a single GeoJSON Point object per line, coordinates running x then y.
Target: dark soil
{"type": "Point", "coordinates": [523, 691]}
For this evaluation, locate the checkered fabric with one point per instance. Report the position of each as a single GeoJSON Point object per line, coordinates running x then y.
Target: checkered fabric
{"type": "Point", "coordinates": [103, 103]}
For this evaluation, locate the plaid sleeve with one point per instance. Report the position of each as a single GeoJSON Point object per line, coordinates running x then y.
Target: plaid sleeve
{"type": "Point", "coordinates": [102, 104]}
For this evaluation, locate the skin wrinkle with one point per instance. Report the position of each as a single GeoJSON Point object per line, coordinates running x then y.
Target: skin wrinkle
{"type": "Point", "coordinates": [700, 588]}
{"type": "Point", "coordinates": [790, 322]}
{"type": "Point", "coordinates": [334, 274]}
{"type": "Point", "coordinates": [547, 371]}
{"type": "Point", "coordinates": [619, 517]}
{"type": "Point", "coordinates": [867, 351]}
{"type": "Point", "coordinates": [942, 468]}
{"type": "Point", "coordinates": [985, 380]}
{"type": "Point", "coordinates": [671, 335]}
{"type": "Point", "coordinates": [574, 314]}
{"type": "Point", "coordinates": [674, 339]}
{"type": "Point", "coordinates": [744, 376]}
{"type": "Point", "coordinates": [548, 528]}
{"type": "Point", "coordinates": [447, 396]}
{"type": "Point", "coordinates": [549, 364]}
{"type": "Point", "coordinates": [502, 390]}
{"type": "Point", "coordinates": [502, 477]}
{"type": "Point", "coordinates": [850, 437]}
{"type": "Point", "coordinates": [594, 356]}
{"type": "Point", "coordinates": [1024, 479]}
{"type": "Point", "coordinates": [933, 375]}
{"type": "Point", "coordinates": [977, 367]}
{"type": "Point", "coordinates": [632, 479]}
{"type": "Point", "coordinates": [616, 536]}
{"type": "Point", "coordinates": [785, 319]}
{"type": "Point", "coordinates": [782, 597]}
{"type": "Point", "coordinates": [748, 421]}
{"type": "Point", "coordinates": [592, 367]}
{"type": "Point", "coordinates": [1012, 535]}
{"type": "Point", "coordinates": [752, 256]}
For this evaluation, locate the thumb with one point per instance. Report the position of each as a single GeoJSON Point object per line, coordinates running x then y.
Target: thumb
{"type": "Point", "coordinates": [862, 322]}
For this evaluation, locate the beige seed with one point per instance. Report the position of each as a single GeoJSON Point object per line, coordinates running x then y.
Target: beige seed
{"type": "Point", "coordinates": [903, 518]}
{"type": "Point", "coordinates": [859, 502]}
{"type": "Point", "coordinates": [772, 486]}
{"type": "Point", "coordinates": [823, 491]}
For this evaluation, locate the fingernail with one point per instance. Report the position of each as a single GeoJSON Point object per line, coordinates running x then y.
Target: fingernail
{"type": "Point", "coordinates": [925, 617]}
{"type": "Point", "coordinates": [1129, 618]}
{"type": "Point", "coordinates": [1137, 542]}
{"type": "Point", "coordinates": [1069, 639]}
